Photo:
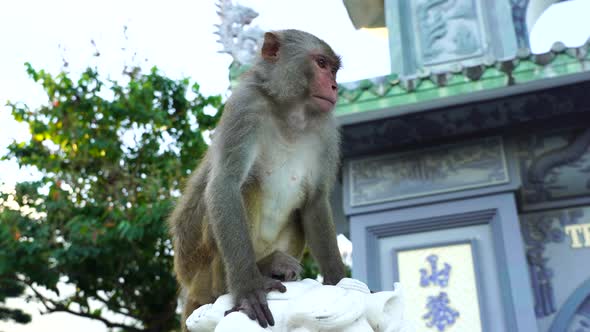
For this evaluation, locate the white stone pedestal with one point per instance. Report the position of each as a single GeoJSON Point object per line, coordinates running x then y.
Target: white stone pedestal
{"type": "Point", "coordinates": [309, 306]}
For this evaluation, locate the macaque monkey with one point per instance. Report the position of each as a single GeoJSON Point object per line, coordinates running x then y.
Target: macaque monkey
{"type": "Point", "coordinates": [261, 192]}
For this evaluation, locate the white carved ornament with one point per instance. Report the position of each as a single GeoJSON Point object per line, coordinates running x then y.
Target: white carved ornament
{"type": "Point", "coordinates": [309, 306]}
{"type": "Point", "coordinates": [237, 38]}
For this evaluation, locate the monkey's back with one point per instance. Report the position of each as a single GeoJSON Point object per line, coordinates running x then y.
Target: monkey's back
{"type": "Point", "coordinates": [193, 245]}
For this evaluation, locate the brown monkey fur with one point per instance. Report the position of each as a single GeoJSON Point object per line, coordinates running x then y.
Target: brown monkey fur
{"type": "Point", "coordinates": [261, 192]}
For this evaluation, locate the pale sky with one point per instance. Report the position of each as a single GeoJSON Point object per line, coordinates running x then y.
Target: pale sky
{"type": "Point", "coordinates": [177, 36]}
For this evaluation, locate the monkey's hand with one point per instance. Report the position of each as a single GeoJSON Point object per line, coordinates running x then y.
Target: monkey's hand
{"type": "Point", "coordinates": [253, 303]}
{"type": "Point", "coordinates": [334, 273]}
{"type": "Point", "coordinates": [281, 266]}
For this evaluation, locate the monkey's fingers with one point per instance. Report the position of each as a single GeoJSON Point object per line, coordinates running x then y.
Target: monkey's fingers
{"type": "Point", "coordinates": [238, 308]}
{"type": "Point", "coordinates": [233, 309]}
{"type": "Point", "coordinates": [261, 313]}
{"type": "Point", "coordinates": [291, 276]}
{"type": "Point", "coordinates": [273, 284]}
{"type": "Point", "coordinates": [250, 309]}
{"type": "Point", "coordinates": [265, 309]}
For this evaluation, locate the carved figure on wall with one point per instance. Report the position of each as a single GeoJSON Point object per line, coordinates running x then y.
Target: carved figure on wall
{"type": "Point", "coordinates": [558, 157]}
{"type": "Point", "coordinates": [538, 231]}
{"type": "Point", "coordinates": [555, 168]}
{"type": "Point", "coordinates": [448, 29]}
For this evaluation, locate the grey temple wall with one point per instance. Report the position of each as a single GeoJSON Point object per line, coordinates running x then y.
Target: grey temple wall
{"type": "Point", "coordinates": [518, 204]}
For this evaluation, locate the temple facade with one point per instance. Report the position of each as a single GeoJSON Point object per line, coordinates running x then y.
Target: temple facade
{"type": "Point", "coordinates": [466, 172]}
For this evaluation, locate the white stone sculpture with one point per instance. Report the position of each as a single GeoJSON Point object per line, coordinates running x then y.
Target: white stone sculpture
{"type": "Point", "coordinates": [309, 306]}
{"type": "Point", "coordinates": [238, 40]}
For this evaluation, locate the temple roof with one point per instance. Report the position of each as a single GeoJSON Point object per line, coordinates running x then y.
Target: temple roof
{"type": "Point", "coordinates": [391, 95]}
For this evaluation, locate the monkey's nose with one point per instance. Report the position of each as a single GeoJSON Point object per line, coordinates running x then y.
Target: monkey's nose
{"type": "Point", "coordinates": [334, 87]}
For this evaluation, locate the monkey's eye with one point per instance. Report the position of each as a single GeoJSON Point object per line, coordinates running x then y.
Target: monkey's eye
{"type": "Point", "coordinates": [322, 63]}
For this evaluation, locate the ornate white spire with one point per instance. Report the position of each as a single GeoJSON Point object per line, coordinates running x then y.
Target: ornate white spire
{"type": "Point", "coordinates": [238, 39]}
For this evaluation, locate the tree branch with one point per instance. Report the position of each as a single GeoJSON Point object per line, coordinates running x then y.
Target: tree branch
{"type": "Point", "coordinates": [55, 306]}
{"type": "Point", "coordinates": [119, 310]}
{"type": "Point", "coordinates": [108, 323]}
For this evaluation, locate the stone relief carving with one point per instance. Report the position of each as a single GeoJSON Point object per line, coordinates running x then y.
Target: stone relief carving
{"type": "Point", "coordinates": [235, 35]}
{"type": "Point", "coordinates": [460, 166]}
{"type": "Point", "coordinates": [559, 157]}
{"type": "Point", "coordinates": [539, 230]}
{"type": "Point", "coordinates": [554, 166]}
{"type": "Point", "coordinates": [449, 30]}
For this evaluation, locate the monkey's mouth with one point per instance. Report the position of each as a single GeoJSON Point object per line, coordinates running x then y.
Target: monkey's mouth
{"type": "Point", "coordinates": [330, 100]}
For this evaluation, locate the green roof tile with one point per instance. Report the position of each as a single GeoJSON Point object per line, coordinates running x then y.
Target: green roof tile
{"type": "Point", "coordinates": [390, 91]}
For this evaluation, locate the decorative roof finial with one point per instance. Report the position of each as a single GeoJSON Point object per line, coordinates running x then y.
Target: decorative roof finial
{"type": "Point", "coordinates": [238, 39]}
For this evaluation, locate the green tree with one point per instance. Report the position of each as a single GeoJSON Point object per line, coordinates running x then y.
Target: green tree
{"type": "Point", "coordinates": [113, 157]}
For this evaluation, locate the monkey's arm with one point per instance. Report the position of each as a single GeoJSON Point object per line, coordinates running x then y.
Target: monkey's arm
{"type": "Point", "coordinates": [320, 234]}
{"type": "Point", "coordinates": [232, 155]}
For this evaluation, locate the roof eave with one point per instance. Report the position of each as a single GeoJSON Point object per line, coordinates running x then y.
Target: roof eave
{"type": "Point", "coordinates": [462, 99]}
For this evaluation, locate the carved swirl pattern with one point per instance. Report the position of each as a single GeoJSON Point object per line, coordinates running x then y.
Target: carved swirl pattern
{"type": "Point", "coordinates": [554, 167]}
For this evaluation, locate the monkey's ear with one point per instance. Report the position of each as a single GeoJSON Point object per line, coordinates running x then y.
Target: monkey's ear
{"type": "Point", "coordinates": [270, 47]}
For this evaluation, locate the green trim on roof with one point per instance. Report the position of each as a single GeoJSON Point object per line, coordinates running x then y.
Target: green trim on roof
{"type": "Point", "coordinates": [391, 91]}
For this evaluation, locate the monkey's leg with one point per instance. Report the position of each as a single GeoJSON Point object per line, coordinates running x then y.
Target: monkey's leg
{"type": "Point", "coordinates": [206, 286]}
{"type": "Point", "coordinates": [281, 266]}
{"type": "Point", "coordinates": [321, 237]}
{"type": "Point", "coordinates": [198, 294]}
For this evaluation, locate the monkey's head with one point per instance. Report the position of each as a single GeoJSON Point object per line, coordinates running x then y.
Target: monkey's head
{"type": "Point", "coordinates": [295, 66]}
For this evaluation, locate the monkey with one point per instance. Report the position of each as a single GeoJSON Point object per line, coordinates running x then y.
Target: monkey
{"type": "Point", "coordinates": [260, 194]}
